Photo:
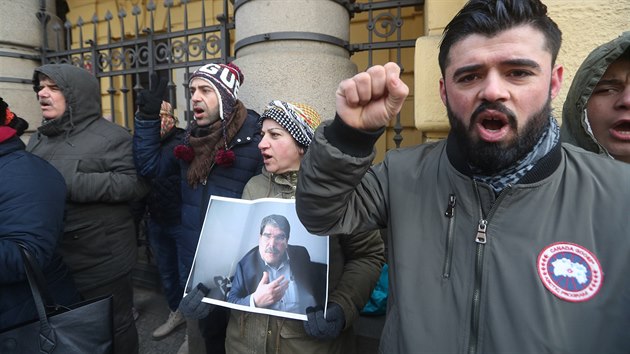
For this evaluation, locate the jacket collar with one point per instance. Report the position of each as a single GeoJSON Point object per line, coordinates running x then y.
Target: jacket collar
{"type": "Point", "coordinates": [248, 131]}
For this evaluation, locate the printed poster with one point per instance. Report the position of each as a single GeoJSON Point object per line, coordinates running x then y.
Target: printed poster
{"type": "Point", "coordinates": [256, 256]}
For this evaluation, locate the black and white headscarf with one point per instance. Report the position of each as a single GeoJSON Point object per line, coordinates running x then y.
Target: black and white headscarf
{"type": "Point", "coordinates": [299, 119]}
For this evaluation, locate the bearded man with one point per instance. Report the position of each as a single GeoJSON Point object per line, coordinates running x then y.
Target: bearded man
{"type": "Point", "coordinates": [501, 239]}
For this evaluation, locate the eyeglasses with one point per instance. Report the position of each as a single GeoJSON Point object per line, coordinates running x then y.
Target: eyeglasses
{"type": "Point", "coordinates": [278, 238]}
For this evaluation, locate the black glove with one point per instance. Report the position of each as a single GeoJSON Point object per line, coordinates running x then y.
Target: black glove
{"type": "Point", "coordinates": [191, 305]}
{"type": "Point", "coordinates": [150, 101]}
{"type": "Point", "coordinates": [324, 328]}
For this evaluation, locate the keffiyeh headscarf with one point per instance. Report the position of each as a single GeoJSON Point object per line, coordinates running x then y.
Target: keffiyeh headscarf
{"type": "Point", "coordinates": [299, 119]}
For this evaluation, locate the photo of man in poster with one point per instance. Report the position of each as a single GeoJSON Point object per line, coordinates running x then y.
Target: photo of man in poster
{"type": "Point", "coordinates": [276, 275]}
{"type": "Point", "coordinates": [258, 247]}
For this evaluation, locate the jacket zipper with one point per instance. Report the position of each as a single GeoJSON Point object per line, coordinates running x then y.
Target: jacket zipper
{"type": "Point", "coordinates": [450, 214]}
{"type": "Point", "coordinates": [480, 240]}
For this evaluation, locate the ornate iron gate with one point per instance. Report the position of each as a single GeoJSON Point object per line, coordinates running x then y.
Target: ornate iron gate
{"type": "Point", "coordinates": [129, 59]}
{"type": "Point", "coordinates": [125, 61]}
{"type": "Point", "coordinates": [384, 21]}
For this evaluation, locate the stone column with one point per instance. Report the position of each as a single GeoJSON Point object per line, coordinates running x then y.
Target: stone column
{"type": "Point", "coordinates": [433, 122]}
{"type": "Point", "coordinates": [292, 50]}
{"type": "Point", "coordinates": [20, 40]}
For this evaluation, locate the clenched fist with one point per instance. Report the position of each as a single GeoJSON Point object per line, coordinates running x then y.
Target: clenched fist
{"type": "Point", "coordinates": [368, 100]}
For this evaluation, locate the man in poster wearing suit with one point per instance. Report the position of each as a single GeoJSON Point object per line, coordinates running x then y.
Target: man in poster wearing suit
{"type": "Point", "coordinates": [275, 275]}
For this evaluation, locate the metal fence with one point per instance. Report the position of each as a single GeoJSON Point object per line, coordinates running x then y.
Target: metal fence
{"type": "Point", "coordinates": [384, 21]}
{"type": "Point", "coordinates": [124, 62]}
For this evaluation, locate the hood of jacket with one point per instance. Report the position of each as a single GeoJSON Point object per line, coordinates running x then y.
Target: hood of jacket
{"type": "Point", "coordinates": [82, 93]}
{"type": "Point", "coordinates": [575, 129]}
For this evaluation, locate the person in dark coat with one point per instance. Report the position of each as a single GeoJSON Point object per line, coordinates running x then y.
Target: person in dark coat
{"type": "Point", "coordinates": [596, 112]}
{"type": "Point", "coordinates": [95, 157]}
{"type": "Point", "coordinates": [275, 275]}
{"type": "Point", "coordinates": [32, 199]}
{"type": "Point", "coordinates": [164, 201]}
{"type": "Point", "coordinates": [218, 156]}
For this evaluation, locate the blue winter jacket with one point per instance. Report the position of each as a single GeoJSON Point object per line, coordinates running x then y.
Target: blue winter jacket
{"type": "Point", "coordinates": [32, 200]}
{"type": "Point", "coordinates": [222, 181]}
{"type": "Point", "coordinates": [162, 169]}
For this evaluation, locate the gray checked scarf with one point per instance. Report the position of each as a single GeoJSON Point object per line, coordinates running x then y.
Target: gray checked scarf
{"type": "Point", "coordinates": [513, 174]}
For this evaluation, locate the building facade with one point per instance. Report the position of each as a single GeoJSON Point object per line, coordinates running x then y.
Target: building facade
{"type": "Point", "coordinates": [296, 50]}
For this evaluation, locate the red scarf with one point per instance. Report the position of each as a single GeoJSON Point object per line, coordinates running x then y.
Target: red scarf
{"type": "Point", "coordinates": [6, 133]}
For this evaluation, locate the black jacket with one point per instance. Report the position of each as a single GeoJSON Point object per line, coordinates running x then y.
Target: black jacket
{"type": "Point", "coordinates": [307, 275]}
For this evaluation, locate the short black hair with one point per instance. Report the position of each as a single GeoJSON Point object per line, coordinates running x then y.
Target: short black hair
{"type": "Point", "coordinates": [490, 17]}
{"type": "Point", "coordinates": [278, 221]}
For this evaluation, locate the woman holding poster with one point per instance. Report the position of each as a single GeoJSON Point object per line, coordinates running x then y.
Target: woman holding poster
{"type": "Point", "coordinates": [355, 260]}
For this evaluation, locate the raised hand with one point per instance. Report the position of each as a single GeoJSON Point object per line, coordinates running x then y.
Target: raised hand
{"type": "Point", "coordinates": [268, 293]}
{"type": "Point", "coordinates": [370, 99]}
{"type": "Point", "coordinates": [150, 101]}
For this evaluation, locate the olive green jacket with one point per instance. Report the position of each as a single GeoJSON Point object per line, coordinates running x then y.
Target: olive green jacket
{"type": "Point", "coordinates": [473, 272]}
{"type": "Point", "coordinates": [354, 267]}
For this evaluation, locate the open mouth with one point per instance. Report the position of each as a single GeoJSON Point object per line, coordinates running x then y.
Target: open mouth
{"type": "Point", "coordinates": [621, 130]}
{"type": "Point", "coordinates": [622, 127]}
{"type": "Point", "coordinates": [493, 123]}
{"type": "Point", "coordinates": [492, 126]}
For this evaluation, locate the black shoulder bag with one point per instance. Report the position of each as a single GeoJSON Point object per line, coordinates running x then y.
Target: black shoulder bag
{"type": "Point", "coordinates": [86, 327]}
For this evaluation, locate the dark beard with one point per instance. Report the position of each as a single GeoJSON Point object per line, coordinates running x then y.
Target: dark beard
{"type": "Point", "coordinates": [491, 158]}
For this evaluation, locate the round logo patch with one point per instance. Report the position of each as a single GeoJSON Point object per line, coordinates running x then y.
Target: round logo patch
{"type": "Point", "coordinates": [570, 271]}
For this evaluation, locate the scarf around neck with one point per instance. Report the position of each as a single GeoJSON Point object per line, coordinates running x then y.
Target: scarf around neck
{"type": "Point", "coordinates": [514, 173]}
{"type": "Point", "coordinates": [206, 141]}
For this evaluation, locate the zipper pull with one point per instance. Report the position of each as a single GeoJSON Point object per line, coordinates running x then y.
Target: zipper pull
{"type": "Point", "coordinates": [450, 209]}
{"type": "Point", "coordinates": [481, 232]}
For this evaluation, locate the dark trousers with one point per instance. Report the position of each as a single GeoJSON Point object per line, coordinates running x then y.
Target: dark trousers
{"type": "Point", "coordinates": [125, 332]}
{"type": "Point", "coordinates": [165, 242]}
{"type": "Point", "coordinates": [213, 330]}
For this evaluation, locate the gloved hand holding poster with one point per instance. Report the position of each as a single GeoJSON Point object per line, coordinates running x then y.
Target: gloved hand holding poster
{"type": "Point", "coordinates": [255, 255]}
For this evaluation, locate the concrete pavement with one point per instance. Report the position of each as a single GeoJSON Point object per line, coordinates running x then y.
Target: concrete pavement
{"type": "Point", "coordinates": [151, 305]}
